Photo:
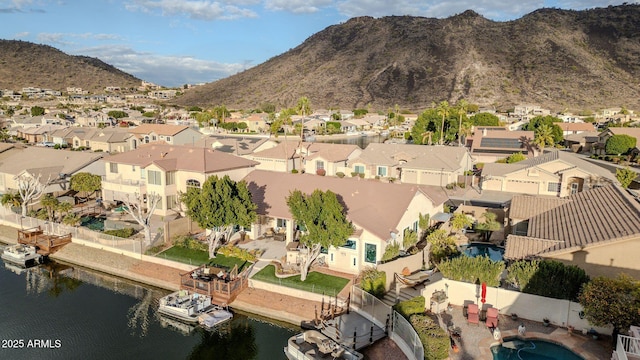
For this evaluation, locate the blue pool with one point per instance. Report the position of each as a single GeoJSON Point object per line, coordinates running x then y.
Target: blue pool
{"type": "Point", "coordinates": [495, 253]}
{"type": "Point", "coordinates": [517, 349]}
{"type": "Point", "coordinates": [95, 223]}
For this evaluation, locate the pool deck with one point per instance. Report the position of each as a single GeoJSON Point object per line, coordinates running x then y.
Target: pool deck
{"type": "Point", "coordinates": [476, 340]}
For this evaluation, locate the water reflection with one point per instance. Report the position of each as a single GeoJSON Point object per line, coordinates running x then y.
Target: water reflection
{"type": "Point", "coordinates": [233, 341]}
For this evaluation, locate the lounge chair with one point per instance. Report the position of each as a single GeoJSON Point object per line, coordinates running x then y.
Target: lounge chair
{"type": "Point", "coordinates": [492, 317]}
{"type": "Point", "coordinates": [473, 314]}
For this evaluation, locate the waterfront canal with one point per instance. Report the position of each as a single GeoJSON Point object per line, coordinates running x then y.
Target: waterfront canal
{"type": "Point", "coordinates": [55, 311]}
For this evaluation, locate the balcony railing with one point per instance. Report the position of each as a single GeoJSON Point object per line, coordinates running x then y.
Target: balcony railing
{"type": "Point", "coordinates": [127, 182]}
{"type": "Point", "coordinates": [626, 346]}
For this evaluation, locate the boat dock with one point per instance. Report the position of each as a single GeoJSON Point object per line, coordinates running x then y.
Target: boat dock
{"type": "Point", "coordinates": [45, 244]}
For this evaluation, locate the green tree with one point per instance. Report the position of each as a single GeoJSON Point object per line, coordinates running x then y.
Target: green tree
{"type": "Point", "coordinates": [462, 107]}
{"type": "Point", "coordinates": [220, 112]}
{"type": "Point", "coordinates": [443, 110]}
{"type": "Point", "coordinates": [10, 200]}
{"type": "Point", "coordinates": [323, 217]}
{"type": "Point", "coordinates": [409, 239]}
{"type": "Point", "coordinates": [86, 182]}
{"type": "Point", "coordinates": [50, 204]}
{"type": "Point", "coordinates": [64, 208]}
{"type": "Point", "coordinates": [489, 225]}
{"type": "Point", "coordinates": [543, 136]}
{"type": "Point", "coordinates": [442, 245]}
{"type": "Point", "coordinates": [194, 109]}
{"type": "Point", "coordinates": [612, 301]}
{"type": "Point", "coordinates": [117, 114]}
{"type": "Point", "coordinates": [626, 176]}
{"type": "Point", "coordinates": [4, 134]}
{"type": "Point", "coordinates": [218, 206]}
{"type": "Point", "coordinates": [556, 132]}
{"type": "Point", "coordinates": [37, 111]}
{"type": "Point", "coordinates": [460, 221]}
{"type": "Point", "coordinates": [485, 119]}
{"type": "Point", "coordinates": [619, 144]}
{"type": "Point", "coordinates": [203, 118]}
{"type": "Point", "coordinates": [425, 127]}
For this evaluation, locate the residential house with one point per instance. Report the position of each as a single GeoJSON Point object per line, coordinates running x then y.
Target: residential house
{"type": "Point", "coordinates": [596, 230]}
{"type": "Point", "coordinates": [569, 128]}
{"type": "Point", "coordinates": [582, 142]}
{"type": "Point", "coordinates": [166, 170]}
{"type": "Point", "coordinates": [599, 148]}
{"type": "Point", "coordinates": [326, 158]}
{"type": "Point", "coordinates": [555, 173]}
{"type": "Point", "coordinates": [380, 212]}
{"type": "Point", "coordinates": [170, 134]}
{"type": "Point", "coordinates": [40, 134]}
{"type": "Point", "coordinates": [489, 145]}
{"type": "Point", "coordinates": [413, 164]}
{"type": "Point", "coordinates": [256, 123]}
{"type": "Point", "coordinates": [52, 167]}
{"type": "Point", "coordinates": [283, 157]}
{"type": "Point", "coordinates": [236, 145]}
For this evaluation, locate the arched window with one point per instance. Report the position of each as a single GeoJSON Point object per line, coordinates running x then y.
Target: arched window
{"type": "Point", "coordinates": [193, 183]}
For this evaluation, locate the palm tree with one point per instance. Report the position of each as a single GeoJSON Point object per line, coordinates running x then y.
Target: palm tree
{"type": "Point", "coordinates": [463, 106]}
{"type": "Point", "coordinates": [443, 110]}
{"type": "Point", "coordinates": [465, 130]}
{"type": "Point", "coordinates": [302, 108]}
{"type": "Point", "coordinates": [543, 137]}
{"type": "Point", "coordinates": [221, 113]}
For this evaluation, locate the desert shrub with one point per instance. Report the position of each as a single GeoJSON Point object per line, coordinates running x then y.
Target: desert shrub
{"type": "Point", "coordinates": [557, 280]}
{"type": "Point", "coordinates": [391, 251]}
{"type": "Point", "coordinates": [236, 252]}
{"type": "Point", "coordinates": [434, 339]}
{"type": "Point", "coordinates": [188, 242]}
{"type": "Point", "coordinates": [123, 233]}
{"type": "Point", "coordinates": [469, 269]}
{"type": "Point", "coordinates": [410, 307]}
{"type": "Point", "coordinates": [294, 171]}
{"type": "Point", "coordinates": [340, 174]}
{"type": "Point", "coordinates": [373, 281]}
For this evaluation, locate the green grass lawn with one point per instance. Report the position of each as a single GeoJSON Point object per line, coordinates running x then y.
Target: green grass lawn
{"type": "Point", "coordinates": [198, 257]}
{"type": "Point", "coordinates": [315, 282]}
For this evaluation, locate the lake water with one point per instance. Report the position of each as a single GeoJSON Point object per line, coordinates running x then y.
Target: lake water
{"type": "Point", "coordinates": [55, 311]}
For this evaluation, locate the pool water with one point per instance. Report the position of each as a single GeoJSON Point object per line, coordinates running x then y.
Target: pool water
{"type": "Point", "coordinates": [516, 349]}
{"type": "Point", "coordinates": [92, 222]}
{"type": "Point", "coordinates": [495, 253]}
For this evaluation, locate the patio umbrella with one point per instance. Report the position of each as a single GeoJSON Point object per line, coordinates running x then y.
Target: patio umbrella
{"type": "Point", "coordinates": [484, 292]}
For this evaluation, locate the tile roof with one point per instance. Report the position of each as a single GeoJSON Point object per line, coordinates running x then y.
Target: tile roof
{"type": "Point", "coordinates": [232, 144]}
{"type": "Point", "coordinates": [181, 157]}
{"type": "Point", "coordinates": [328, 151]}
{"type": "Point", "coordinates": [500, 169]}
{"type": "Point", "coordinates": [160, 129]}
{"type": "Point", "coordinates": [521, 247]}
{"type": "Point", "coordinates": [373, 205]}
{"type": "Point", "coordinates": [589, 136]}
{"type": "Point", "coordinates": [41, 160]}
{"type": "Point", "coordinates": [565, 126]}
{"type": "Point", "coordinates": [281, 151]}
{"type": "Point", "coordinates": [571, 158]}
{"type": "Point", "coordinates": [501, 140]}
{"type": "Point", "coordinates": [527, 206]}
{"type": "Point", "coordinates": [414, 156]}
{"type": "Point", "coordinates": [598, 215]}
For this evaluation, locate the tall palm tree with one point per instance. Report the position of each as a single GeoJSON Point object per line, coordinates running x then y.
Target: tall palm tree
{"type": "Point", "coordinates": [465, 131]}
{"type": "Point", "coordinates": [302, 108]}
{"type": "Point", "coordinates": [443, 109]}
{"type": "Point", "coordinates": [463, 106]}
{"type": "Point", "coordinates": [543, 137]}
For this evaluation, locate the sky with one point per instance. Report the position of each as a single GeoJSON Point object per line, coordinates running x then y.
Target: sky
{"type": "Point", "coordinates": [172, 42]}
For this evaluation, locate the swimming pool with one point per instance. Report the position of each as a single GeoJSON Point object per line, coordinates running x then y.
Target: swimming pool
{"type": "Point", "coordinates": [495, 253]}
{"type": "Point", "coordinates": [95, 223]}
{"type": "Point", "coordinates": [517, 349]}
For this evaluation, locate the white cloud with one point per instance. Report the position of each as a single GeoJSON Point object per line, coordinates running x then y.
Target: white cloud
{"type": "Point", "coordinates": [53, 38]}
{"type": "Point", "coordinates": [160, 69]}
{"type": "Point", "coordinates": [21, 35]}
{"type": "Point", "coordinates": [64, 38]}
{"type": "Point", "coordinates": [297, 6]}
{"type": "Point", "coordinates": [199, 10]}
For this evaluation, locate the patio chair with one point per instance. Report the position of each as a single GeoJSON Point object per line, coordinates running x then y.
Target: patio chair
{"type": "Point", "coordinates": [492, 317]}
{"type": "Point", "coordinates": [473, 314]}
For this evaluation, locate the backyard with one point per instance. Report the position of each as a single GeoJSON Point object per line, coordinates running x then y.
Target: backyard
{"type": "Point", "coordinates": [199, 257]}
{"type": "Point", "coordinates": [316, 282]}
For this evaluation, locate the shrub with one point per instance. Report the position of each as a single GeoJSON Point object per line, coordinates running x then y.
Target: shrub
{"type": "Point", "coordinates": [391, 251]}
{"type": "Point", "coordinates": [123, 233]}
{"type": "Point", "coordinates": [340, 174]}
{"type": "Point", "coordinates": [433, 338]}
{"type": "Point", "coordinates": [520, 272]}
{"type": "Point", "coordinates": [373, 281]}
{"type": "Point", "coordinates": [557, 280]}
{"type": "Point", "coordinates": [354, 174]}
{"type": "Point", "coordinates": [361, 175]}
{"type": "Point", "coordinates": [619, 144]}
{"type": "Point", "coordinates": [321, 172]}
{"type": "Point", "coordinates": [470, 269]}
{"type": "Point", "coordinates": [451, 186]}
{"type": "Point", "coordinates": [294, 171]}
{"type": "Point", "coordinates": [188, 242]}
{"type": "Point", "coordinates": [410, 307]}
{"type": "Point", "coordinates": [236, 252]}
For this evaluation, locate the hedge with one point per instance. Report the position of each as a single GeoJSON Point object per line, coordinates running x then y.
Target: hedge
{"type": "Point", "coordinates": [470, 269]}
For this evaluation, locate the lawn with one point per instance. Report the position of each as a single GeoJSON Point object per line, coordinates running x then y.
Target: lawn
{"type": "Point", "coordinates": [199, 257]}
{"type": "Point", "coordinates": [315, 282]}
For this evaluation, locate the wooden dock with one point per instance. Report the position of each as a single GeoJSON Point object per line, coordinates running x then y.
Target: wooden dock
{"type": "Point", "coordinates": [44, 244]}
{"type": "Point", "coordinates": [221, 284]}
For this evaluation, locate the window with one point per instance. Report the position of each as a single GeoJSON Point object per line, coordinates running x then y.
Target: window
{"type": "Point", "coordinates": [359, 169]}
{"type": "Point", "coordinates": [331, 257]}
{"type": "Point", "coordinates": [350, 244]}
{"type": "Point", "coordinates": [171, 178]}
{"type": "Point", "coordinates": [382, 171]}
{"type": "Point", "coordinates": [133, 168]}
{"type": "Point", "coordinates": [281, 223]}
{"type": "Point", "coordinates": [172, 201]}
{"type": "Point", "coordinates": [575, 187]}
{"type": "Point", "coordinates": [154, 177]}
{"type": "Point", "coordinates": [193, 183]}
{"type": "Point", "coordinates": [554, 187]}
{"type": "Point", "coordinates": [113, 168]}
{"type": "Point", "coordinates": [143, 173]}
{"type": "Point", "coordinates": [370, 253]}
{"type": "Point", "coordinates": [168, 139]}
{"type": "Point", "coordinates": [319, 165]}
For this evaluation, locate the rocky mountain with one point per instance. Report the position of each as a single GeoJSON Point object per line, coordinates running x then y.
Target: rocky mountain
{"type": "Point", "coordinates": [24, 64]}
{"type": "Point", "coordinates": [555, 58]}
